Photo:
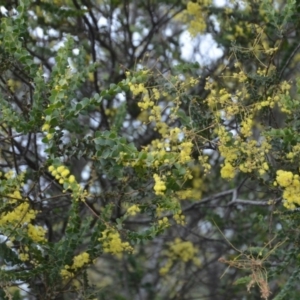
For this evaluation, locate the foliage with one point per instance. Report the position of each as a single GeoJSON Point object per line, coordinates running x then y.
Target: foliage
{"type": "Point", "coordinates": [128, 172]}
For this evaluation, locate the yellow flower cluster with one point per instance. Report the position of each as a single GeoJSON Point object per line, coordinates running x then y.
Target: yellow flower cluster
{"type": "Point", "coordinates": [246, 126]}
{"type": "Point", "coordinates": [175, 145]}
{"type": "Point", "coordinates": [162, 128]}
{"type": "Point", "coordinates": [193, 81]}
{"type": "Point", "coordinates": [14, 197]}
{"type": "Point", "coordinates": [163, 152]}
{"type": "Point", "coordinates": [160, 155]}
{"type": "Point", "coordinates": [285, 87]}
{"type": "Point", "coordinates": [112, 243]}
{"type": "Point", "coordinates": [222, 100]}
{"type": "Point", "coordinates": [23, 215]}
{"type": "Point", "coordinates": [66, 273]}
{"type": "Point", "coordinates": [241, 148]}
{"type": "Point", "coordinates": [159, 186]}
{"type": "Point", "coordinates": [205, 165]}
{"type": "Point", "coordinates": [146, 103]}
{"type": "Point", "coordinates": [20, 214]}
{"type": "Point", "coordinates": [240, 76]}
{"type": "Point", "coordinates": [295, 152]}
{"type": "Point", "coordinates": [36, 233]}
{"type": "Point", "coordinates": [155, 111]}
{"type": "Point", "coordinates": [183, 250]}
{"type": "Point", "coordinates": [180, 250]}
{"type": "Point", "coordinates": [185, 152]}
{"type": "Point", "coordinates": [62, 174]}
{"type": "Point", "coordinates": [243, 154]}
{"type": "Point", "coordinates": [278, 99]}
{"type": "Point", "coordinates": [79, 261]}
{"type": "Point", "coordinates": [174, 134]}
{"type": "Point", "coordinates": [156, 93]}
{"type": "Point", "coordinates": [189, 194]}
{"type": "Point", "coordinates": [255, 156]}
{"type": "Point", "coordinates": [227, 171]}
{"type": "Point", "coordinates": [133, 210]}
{"type": "Point", "coordinates": [285, 178]}
{"type": "Point", "coordinates": [23, 253]}
{"type": "Point", "coordinates": [284, 102]}
{"type": "Point", "coordinates": [159, 210]}
{"type": "Point", "coordinates": [23, 256]}
{"type": "Point", "coordinates": [9, 174]}
{"type": "Point", "coordinates": [46, 128]}
{"type": "Point", "coordinates": [179, 219]}
{"type": "Point", "coordinates": [291, 185]}
{"type": "Point", "coordinates": [194, 15]}
{"type": "Point", "coordinates": [137, 89]}
{"type": "Point", "coordinates": [163, 223]}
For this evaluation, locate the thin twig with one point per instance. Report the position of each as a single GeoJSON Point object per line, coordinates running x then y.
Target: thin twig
{"type": "Point", "coordinates": [289, 60]}
{"type": "Point", "coordinates": [253, 202]}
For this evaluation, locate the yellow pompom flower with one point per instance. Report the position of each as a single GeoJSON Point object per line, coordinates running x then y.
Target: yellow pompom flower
{"type": "Point", "coordinates": [284, 178]}
{"type": "Point", "coordinates": [227, 172]}
{"type": "Point", "coordinates": [46, 127]}
{"type": "Point", "coordinates": [159, 186]}
{"type": "Point", "coordinates": [133, 210]}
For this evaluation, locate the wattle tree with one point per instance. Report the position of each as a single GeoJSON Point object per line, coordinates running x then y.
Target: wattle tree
{"type": "Point", "coordinates": [135, 166]}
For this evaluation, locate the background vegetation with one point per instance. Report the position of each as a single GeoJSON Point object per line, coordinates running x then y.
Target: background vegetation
{"type": "Point", "coordinates": [129, 170]}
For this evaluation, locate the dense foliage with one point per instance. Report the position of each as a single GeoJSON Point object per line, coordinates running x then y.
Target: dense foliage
{"type": "Point", "coordinates": [129, 171]}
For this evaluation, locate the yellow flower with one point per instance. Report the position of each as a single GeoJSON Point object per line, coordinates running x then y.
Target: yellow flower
{"type": "Point", "coordinates": [133, 210]}
{"type": "Point", "coordinates": [164, 223]}
{"type": "Point", "coordinates": [36, 233]}
{"type": "Point", "coordinates": [185, 153]}
{"type": "Point", "coordinates": [80, 260]}
{"type": "Point", "coordinates": [227, 172]}
{"type": "Point", "coordinates": [60, 169]}
{"type": "Point", "coordinates": [51, 168]}
{"type": "Point", "coordinates": [284, 178]}
{"type": "Point", "coordinates": [65, 173]}
{"type": "Point", "coordinates": [46, 127]}
{"type": "Point", "coordinates": [66, 274]}
{"type": "Point", "coordinates": [71, 179]}
{"type": "Point", "coordinates": [24, 256]}
{"type": "Point", "coordinates": [179, 219]}
{"type": "Point", "coordinates": [21, 212]}
{"type": "Point", "coordinates": [180, 250]}
{"type": "Point", "coordinates": [112, 242]}
{"type": "Point", "coordinates": [49, 136]}
{"type": "Point", "coordinates": [159, 186]}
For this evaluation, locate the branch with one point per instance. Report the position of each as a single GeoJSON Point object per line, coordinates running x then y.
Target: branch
{"type": "Point", "coordinates": [210, 198]}
{"type": "Point", "coordinates": [289, 60]}
{"type": "Point", "coordinates": [254, 202]}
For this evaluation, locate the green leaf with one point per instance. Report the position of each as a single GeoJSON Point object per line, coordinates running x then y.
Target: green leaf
{"type": "Point", "coordinates": [243, 280]}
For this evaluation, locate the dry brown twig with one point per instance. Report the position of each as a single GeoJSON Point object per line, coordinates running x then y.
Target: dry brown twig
{"type": "Point", "coordinates": [5, 288]}
{"type": "Point", "coordinates": [254, 264]}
